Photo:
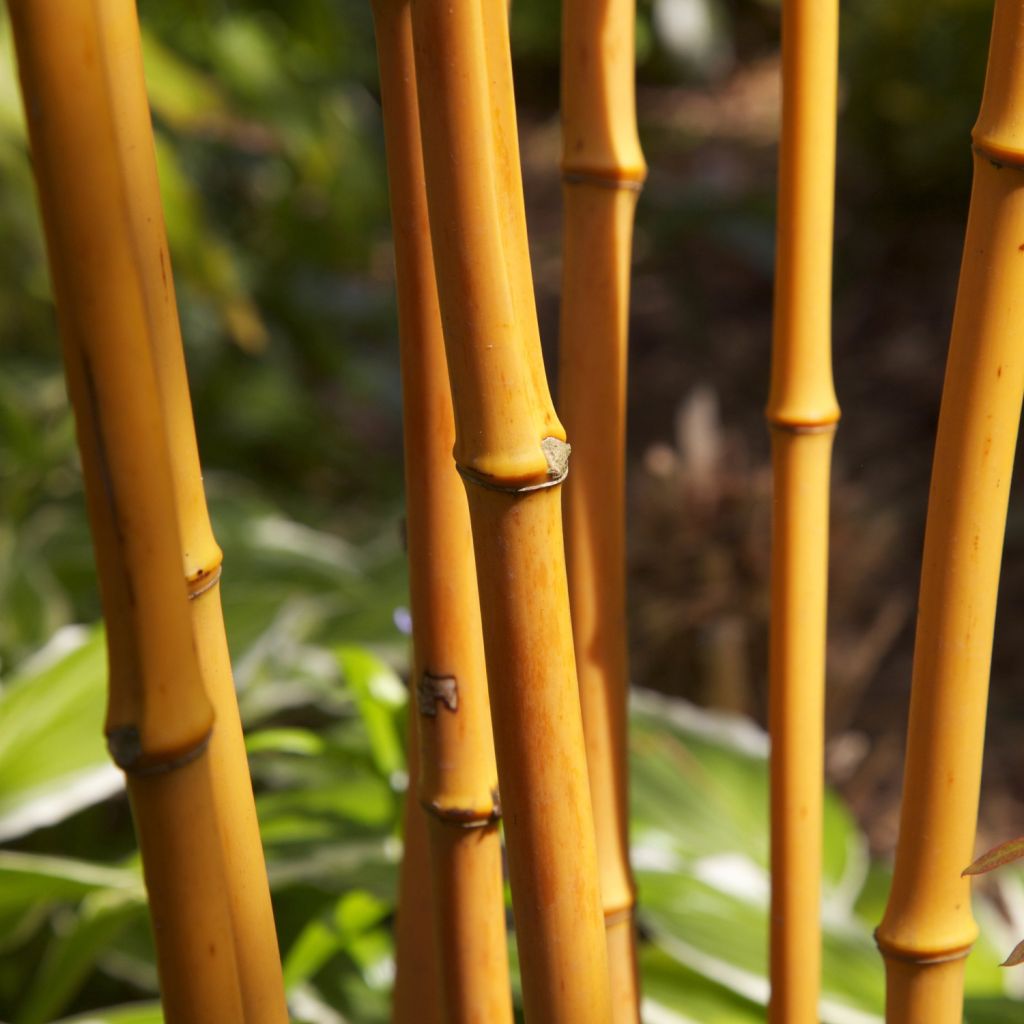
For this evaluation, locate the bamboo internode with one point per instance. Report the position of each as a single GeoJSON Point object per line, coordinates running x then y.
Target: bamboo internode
{"type": "Point", "coordinates": [928, 927]}
{"type": "Point", "coordinates": [512, 453]}
{"type": "Point", "coordinates": [457, 775]}
{"type": "Point", "coordinates": [802, 413]}
{"type": "Point", "coordinates": [603, 170]}
{"type": "Point", "coordinates": [159, 717]}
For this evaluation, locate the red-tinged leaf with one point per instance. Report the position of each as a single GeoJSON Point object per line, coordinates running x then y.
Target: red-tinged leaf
{"type": "Point", "coordinates": [1016, 957]}
{"type": "Point", "coordinates": [1004, 853]}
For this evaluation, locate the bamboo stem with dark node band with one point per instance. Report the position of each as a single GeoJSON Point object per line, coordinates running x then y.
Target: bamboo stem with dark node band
{"type": "Point", "coordinates": [603, 171]}
{"type": "Point", "coordinates": [457, 778]}
{"type": "Point", "coordinates": [928, 928]}
{"type": "Point", "coordinates": [802, 414]}
{"type": "Point", "coordinates": [508, 438]}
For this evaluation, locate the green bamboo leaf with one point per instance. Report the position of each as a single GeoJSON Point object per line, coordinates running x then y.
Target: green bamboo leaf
{"type": "Point", "coordinates": [133, 1013]}
{"type": "Point", "coordinates": [1004, 853]}
{"type": "Point", "coordinates": [53, 757]}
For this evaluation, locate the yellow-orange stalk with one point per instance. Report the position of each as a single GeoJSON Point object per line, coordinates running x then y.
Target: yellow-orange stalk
{"type": "Point", "coordinates": [928, 928]}
{"type": "Point", "coordinates": [457, 775]}
{"type": "Point", "coordinates": [247, 889]}
{"type": "Point", "coordinates": [159, 718]}
{"type": "Point", "coordinates": [603, 170]}
{"type": "Point", "coordinates": [511, 451]}
{"type": "Point", "coordinates": [417, 993]}
{"type": "Point", "coordinates": [802, 413]}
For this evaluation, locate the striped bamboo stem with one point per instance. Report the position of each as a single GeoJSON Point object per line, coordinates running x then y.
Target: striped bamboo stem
{"type": "Point", "coordinates": [603, 170]}
{"type": "Point", "coordinates": [511, 451]}
{"type": "Point", "coordinates": [457, 773]}
{"type": "Point", "coordinates": [159, 719]}
{"type": "Point", "coordinates": [928, 928]}
{"type": "Point", "coordinates": [802, 414]}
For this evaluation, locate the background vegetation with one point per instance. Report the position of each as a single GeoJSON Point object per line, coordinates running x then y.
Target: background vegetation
{"type": "Point", "coordinates": [272, 168]}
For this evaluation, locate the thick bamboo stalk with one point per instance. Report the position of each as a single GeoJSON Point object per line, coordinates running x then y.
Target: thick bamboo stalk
{"type": "Point", "coordinates": [802, 413]}
{"type": "Point", "coordinates": [159, 719]}
{"type": "Point", "coordinates": [457, 778]}
{"type": "Point", "coordinates": [603, 170]}
{"type": "Point", "coordinates": [928, 928]}
{"type": "Point", "coordinates": [247, 889]}
{"type": "Point", "coordinates": [511, 451]}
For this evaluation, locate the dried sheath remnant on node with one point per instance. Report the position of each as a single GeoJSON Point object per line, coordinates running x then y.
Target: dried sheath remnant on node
{"type": "Point", "coordinates": [432, 689]}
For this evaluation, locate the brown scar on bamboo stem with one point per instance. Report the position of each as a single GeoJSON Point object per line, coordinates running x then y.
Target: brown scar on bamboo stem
{"type": "Point", "coordinates": [433, 688]}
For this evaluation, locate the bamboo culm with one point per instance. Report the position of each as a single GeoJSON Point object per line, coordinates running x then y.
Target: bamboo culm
{"type": "Point", "coordinates": [456, 774]}
{"type": "Point", "coordinates": [802, 414]}
{"type": "Point", "coordinates": [928, 928]}
{"type": "Point", "coordinates": [159, 718]}
{"type": "Point", "coordinates": [511, 451]}
{"type": "Point", "coordinates": [603, 170]}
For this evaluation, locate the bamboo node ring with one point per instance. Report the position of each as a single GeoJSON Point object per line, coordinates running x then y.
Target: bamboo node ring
{"type": "Point", "coordinates": [203, 581]}
{"type": "Point", "coordinates": [924, 959]}
{"type": "Point", "coordinates": [556, 452]}
{"type": "Point", "coordinates": [602, 181]}
{"type": "Point", "coordinates": [463, 817]}
{"type": "Point", "coordinates": [125, 746]}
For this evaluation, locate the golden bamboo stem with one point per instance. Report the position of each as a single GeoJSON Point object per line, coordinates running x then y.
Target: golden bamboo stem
{"type": "Point", "coordinates": [457, 778]}
{"type": "Point", "coordinates": [159, 718]}
{"type": "Point", "coordinates": [417, 993]}
{"type": "Point", "coordinates": [802, 413]}
{"type": "Point", "coordinates": [603, 170]}
{"type": "Point", "coordinates": [928, 927]}
{"type": "Point", "coordinates": [510, 449]}
{"type": "Point", "coordinates": [247, 888]}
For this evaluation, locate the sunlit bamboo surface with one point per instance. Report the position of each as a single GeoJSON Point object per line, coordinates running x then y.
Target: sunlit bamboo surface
{"type": "Point", "coordinates": [603, 170]}
{"type": "Point", "coordinates": [802, 413]}
{"type": "Point", "coordinates": [457, 777]}
{"type": "Point", "coordinates": [928, 928]}
{"type": "Point", "coordinates": [159, 717]}
{"type": "Point", "coordinates": [511, 451]}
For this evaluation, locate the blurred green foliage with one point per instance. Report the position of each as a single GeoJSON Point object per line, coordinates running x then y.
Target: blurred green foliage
{"type": "Point", "coordinates": [271, 160]}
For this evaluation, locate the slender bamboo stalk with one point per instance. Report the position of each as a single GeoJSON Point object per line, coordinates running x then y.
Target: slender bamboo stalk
{"type": "Point", "coordinates": [510, 450]}
{"type": "Point", "coordinates": [802, 413]}
{"type": "Point", "coordinates": [417, 993]}
{"type": "Point", "coordinates": [458, 778]}
{"type": "Point", "coordinates": [928, 928]}
{"type": "Point", "coordinates": [159, 718]}
{"type": "Point", "coordinates": [247, 889]}
{"type": "Point", "coordinates": [603, 170]}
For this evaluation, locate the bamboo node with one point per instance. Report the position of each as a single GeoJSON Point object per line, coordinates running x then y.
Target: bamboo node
{"type": "Point", "coordinates": [202, 581]}
{"type": "Point", "coordinates": [603, 180]}
{"type": "Point", "coordinates": [922, 957]}
{"type": "Point", "coordinates": [556, 454]}
{"type": "Point", "coordinates": [432, 690]}
{"type": "Point", "coordinates": [998, 155]}
{"type": "Point", "coordinates": [464, 817]}
{"type": "Point", "coordinates": [125, 746]}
